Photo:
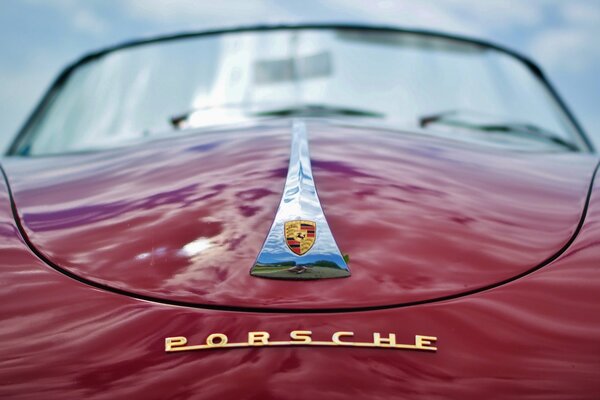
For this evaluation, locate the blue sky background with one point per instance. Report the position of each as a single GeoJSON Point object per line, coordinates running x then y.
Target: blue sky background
{"type": "Point", "coordinates": [39, 37]}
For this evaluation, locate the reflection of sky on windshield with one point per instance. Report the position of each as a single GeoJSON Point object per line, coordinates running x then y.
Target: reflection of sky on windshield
{"type": "Point", "coordinates": [135, 93]}
{"type": "Point", "coordinates": [38, 39]}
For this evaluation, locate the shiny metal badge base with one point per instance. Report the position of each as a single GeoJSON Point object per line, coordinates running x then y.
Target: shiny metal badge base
{"type": "Point", "coordinates": [301, 272]}
{"type": "Point", "coordinates": [300, 245]}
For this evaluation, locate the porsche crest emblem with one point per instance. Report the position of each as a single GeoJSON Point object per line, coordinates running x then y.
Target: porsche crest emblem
{"type": "Point", "coordinates": [300, 235]}
{"type": "Point", "coordinates": [292, 249]}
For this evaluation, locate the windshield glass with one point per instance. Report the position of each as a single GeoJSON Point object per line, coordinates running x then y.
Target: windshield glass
{"type": "Point", "coordinates": [393, 78]}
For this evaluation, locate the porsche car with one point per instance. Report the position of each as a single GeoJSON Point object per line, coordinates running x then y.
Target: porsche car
{"type": "Point", "coordinates": [300, 212]}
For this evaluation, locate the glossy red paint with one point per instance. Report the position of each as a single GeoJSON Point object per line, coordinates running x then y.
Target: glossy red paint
{"type": "Point", "coordinates": [182, 219]}
{"type": "Point", "coordinates": [536, 337]}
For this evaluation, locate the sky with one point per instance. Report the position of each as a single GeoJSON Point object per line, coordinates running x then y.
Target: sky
{"type": "Point", "coordinates": [40, 37]}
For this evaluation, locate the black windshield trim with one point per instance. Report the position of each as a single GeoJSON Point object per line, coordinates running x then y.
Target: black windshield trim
{"type": "Point", "coordinates": [62, 77]}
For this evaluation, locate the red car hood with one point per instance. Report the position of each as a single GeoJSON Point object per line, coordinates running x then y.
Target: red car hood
{"type": "Point", "coordinates": [182, 219]}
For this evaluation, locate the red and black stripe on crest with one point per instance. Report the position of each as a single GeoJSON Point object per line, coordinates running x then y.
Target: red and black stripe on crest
{"type": "Point", "coordinates": [300, 236]}
{"type": "Point", "coordinates": [310, 229]}
{"type": "Point", "coordinates": [293, 244]}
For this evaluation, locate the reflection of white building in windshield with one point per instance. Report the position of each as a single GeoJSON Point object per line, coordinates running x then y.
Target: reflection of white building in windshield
{"type": "Point", "coordinates": [263, 72]}
{"type": "Point", "coordinates": [402, 77]}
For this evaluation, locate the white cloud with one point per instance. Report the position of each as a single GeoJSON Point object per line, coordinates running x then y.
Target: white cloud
{"type": "Point", "coordinates": [21, 89]}
{"type": "Point", "coordinates": [572, 44]}
{"type": "Point", "coordinates": [410, 14]}
{"type": "Point", "coordinates": [497, 14]}
{"type": "Point", "coordinates": [455, 16]}
{"type": "Point", "coordinates": [581, 13]}
{"type": "Point", "coordinates": [474, 18]}
{"type": "Point", "coordinates": [80, 14]}
{"type": "Point", "coordinates": [568, 49]}
{"type": "Point", "coordinates": [86, 21]}
{"type": "Point", "coordinates": [191, 13]}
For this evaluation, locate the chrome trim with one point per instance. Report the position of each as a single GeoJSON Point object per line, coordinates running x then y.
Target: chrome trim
{"type": "Point", "coordinates": [300, 202]}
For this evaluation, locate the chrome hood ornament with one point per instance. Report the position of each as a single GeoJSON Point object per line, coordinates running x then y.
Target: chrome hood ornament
{"type": "Point", "coordinates": [300, 244]}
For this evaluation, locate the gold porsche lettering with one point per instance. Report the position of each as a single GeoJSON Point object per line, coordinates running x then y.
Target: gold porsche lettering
{"type": "Point", "coordinates": [258, 338]}
{"type": "Point", "coordinates": [425, 342]}
{"type": "Point", "coordinates": [216, 340]}
{"type": "Point", "coordinates": [173, 342]}
{"type": "Point", "coordinates": [300, 338]}
{"type": "Point", "coordinates": [389, 341]}
{"type": "Point", "coordinates": [335, 338]}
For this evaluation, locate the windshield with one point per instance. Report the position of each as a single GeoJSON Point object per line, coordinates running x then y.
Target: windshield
{"type": "Point", "coordinates": [381, 76]}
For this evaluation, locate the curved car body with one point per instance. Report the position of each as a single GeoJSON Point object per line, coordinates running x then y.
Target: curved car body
{"type": "Point", "coordinates": [481, 260]}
